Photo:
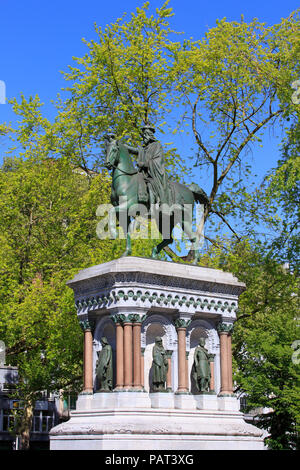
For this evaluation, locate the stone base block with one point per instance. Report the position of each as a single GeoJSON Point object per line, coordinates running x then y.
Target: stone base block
{"type": "Point", "coordinates": [132, 399]}
{"type": "Point", "coordinates": [228, 403]}
{"type": "Point", "coordinates": [206, 402]}
{"type": "Point", "coordinates": [155, 429]}
{"type": "Point", "coordinates": [184, 401]}
{"type": "Point", "coordinates": [84, 401]}
{"type": "Point", "coordinates": [103, 400]}
{"type": "Point", "coordinates": [113, 400]}
{"type": "Point", "coordinates": [162, 400]}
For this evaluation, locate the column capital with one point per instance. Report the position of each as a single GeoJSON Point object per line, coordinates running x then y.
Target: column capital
{"type": "Point", "coordinates": [225, 328]}
{"type": "Point", "coordinates": [182, 322]}
{"type": "Point", "coordinates": [87, 324]}
{"type": "Point", "coordinates": [211, 357]}
{"type": "Point", "coordinates": [169, 353]}
{"type": "Point", "coordinates": [137, 317]}
{"type": "Point", "coordinates": [126, 317]}
{"type": "Point", "coordinates": [118, 318]}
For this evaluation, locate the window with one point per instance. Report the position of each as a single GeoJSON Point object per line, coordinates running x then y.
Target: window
{"type": "Point", "coordinates": [8, 421]}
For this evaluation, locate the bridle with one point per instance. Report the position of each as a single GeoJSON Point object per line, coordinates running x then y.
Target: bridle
{"type": "Point", "coordinates": [123, 171]}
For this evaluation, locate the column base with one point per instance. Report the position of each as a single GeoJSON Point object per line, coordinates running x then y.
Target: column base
{"type": "Point", "coordinates": [155, 429]}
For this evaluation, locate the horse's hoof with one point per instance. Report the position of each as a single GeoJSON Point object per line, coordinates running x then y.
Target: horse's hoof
{"type": "Point", "coordinates": [113, 234]}
{"type": "Point", "coordinates": [126, 253]}
{"type": "Point", "coordinates": [154, 254]}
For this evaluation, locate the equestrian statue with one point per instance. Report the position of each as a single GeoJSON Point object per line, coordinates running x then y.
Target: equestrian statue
{"type": "Point", "coordinates": [149, 189]}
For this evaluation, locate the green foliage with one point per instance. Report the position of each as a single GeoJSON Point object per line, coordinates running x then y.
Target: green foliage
{"type": "Point", "coordinates": [48, 221]}
{"type": "Point", "coordinates": [233, 84]}
{"type": "Point", "coordinates": [282, 190]}
{"type": "Point", "coordinates": [120, 83]}
{"type": "Point", "coordinates": [266, 329]}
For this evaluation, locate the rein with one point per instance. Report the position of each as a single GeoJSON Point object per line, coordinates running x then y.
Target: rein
{"type": "Point", "coordinates": [123, 171]}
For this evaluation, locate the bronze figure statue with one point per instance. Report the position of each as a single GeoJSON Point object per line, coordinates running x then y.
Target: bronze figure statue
{"type": "Point", "coordinates": [151, 163]}
{"type": "Point", "coordinates": [104, 367]}
{"type": "Point", "coordinates": [201, 367]}
{"type": "Point", "coordinates": [160, 366]}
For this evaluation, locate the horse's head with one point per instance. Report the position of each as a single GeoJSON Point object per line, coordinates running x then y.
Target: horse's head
{"type": "Point", "coordinates": [112, 153]}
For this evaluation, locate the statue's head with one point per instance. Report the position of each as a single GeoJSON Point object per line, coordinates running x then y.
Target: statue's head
{"type": "Point", "coordinates": [148, 134]}
{"type": "Point", "coordinates": [110, 136]}
{"type": "Point", "coordinates": [158, 340]}
{"type": "Point", "coordinates": [202, 342]}
{"type": "Point", "coordinates": [103, 341]}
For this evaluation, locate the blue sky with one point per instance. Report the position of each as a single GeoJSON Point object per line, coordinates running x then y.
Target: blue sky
{"type": "Point", "coordinates": [38, 40]}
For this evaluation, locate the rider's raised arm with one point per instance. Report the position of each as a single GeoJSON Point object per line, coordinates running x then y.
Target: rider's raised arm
{"type": "Point", "coordinates": [133, 150]}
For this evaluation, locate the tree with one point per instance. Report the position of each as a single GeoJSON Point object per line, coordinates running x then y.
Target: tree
{"type": "Point", "coordinates": [48, 219]}
{"type": "Point", "coordinates": [281, 193]}
{"type": "Point", "coordinates": [48, 215]}
{"type": "Point", "coordinates": [234, 84]}
{"type": "Point", "coordinates": [229, 88]}
{"type": "Point", "coordinates": [265, 337]}
{"type": "Point", "coordinates": [120, 83]}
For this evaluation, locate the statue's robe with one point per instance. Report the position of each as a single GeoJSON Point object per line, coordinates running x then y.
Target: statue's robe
{"type": "Point", "coordinates": [201, 364]}
{"type": "Point", "coordinates": [153, 156]}
{"type": "Point", "coordinates": [160, 365]}
{"type": "Point", "coordinates": [104, 368]}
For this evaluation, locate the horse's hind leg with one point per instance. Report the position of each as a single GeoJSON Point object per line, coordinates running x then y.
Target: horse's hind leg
{"type": "Point", "coordinates": [194, 254]}
{"type": "Point", "coordinates": [160, 246]}
{"type": "Point", "coordinates": [124, 222]}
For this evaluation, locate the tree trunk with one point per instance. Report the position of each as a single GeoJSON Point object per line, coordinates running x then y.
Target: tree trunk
{"type": "Point", "coordinates": [26, 425]}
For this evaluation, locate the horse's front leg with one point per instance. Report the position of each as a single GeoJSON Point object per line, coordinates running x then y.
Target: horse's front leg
{"type": "Point", "coordinates": [187, 226]}
{"type": "Point", "coordinates": [127, 226]}
{"type": "Point", "coordinates": [112, 213]}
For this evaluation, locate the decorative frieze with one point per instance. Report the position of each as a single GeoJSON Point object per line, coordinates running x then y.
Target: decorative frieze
{"type": "Point", "coordinates": [156, 298]}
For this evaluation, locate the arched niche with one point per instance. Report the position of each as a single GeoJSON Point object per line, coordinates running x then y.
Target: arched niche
{"type": "Point", "coordinates": [155, 325]}
{"type": "Point", "coordinates": [104, 327]}
{"type": "Point", "coordinates": [201, 329]}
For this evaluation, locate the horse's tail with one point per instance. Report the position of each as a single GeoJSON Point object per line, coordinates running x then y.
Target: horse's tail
{"type": "Point", "coordinates": [199, 194]}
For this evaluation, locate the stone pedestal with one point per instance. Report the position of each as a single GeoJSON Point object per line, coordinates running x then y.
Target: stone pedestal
{"type": "Point", "coordinates": [131, 301]}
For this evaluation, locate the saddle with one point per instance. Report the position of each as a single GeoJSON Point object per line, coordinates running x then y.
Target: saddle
{"type": "Point", "coordinates": [143, 191]}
